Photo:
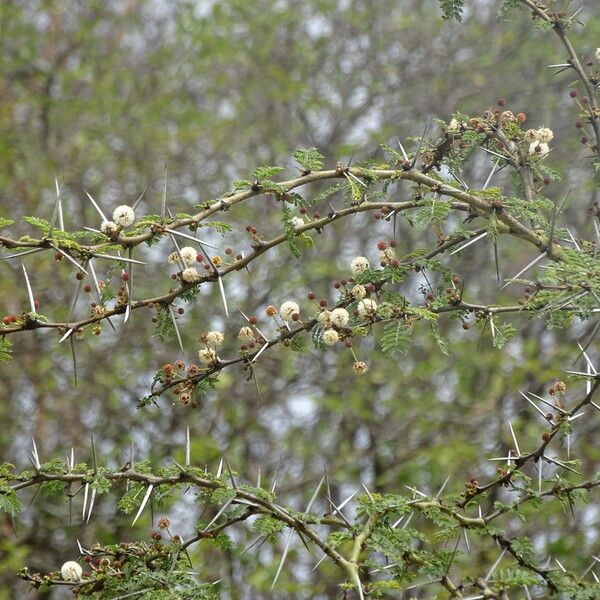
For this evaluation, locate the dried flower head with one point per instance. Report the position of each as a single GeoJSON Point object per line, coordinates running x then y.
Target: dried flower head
{"type": "Point", "coordinates": [359, 291]}
{"type": "Point", "coordinates": [367, 307]}
{"type": "Point", "coordinates": [330, 337]}
{"type": "Point", "coordinates": [108, 227]}
{"type": "Point", "coordinates": [339, 317]}
{"type": "Point", "coordinates": [71, 571]}
{"type": "Point", "coordinates": [173, 258]}
{"type": "Point", "coordinates": [270, 311]}
{"type": "Point", "coordinates": [544, 135]}
{"type": "Point", "coordinates": [359, 265]}
{"type": "Point", "coordinates": [360, 367]}
{"type": "Point", "coordinates": [190, 275]}
{"type": "Point", "coordinates": [208, 355]}
{"type": "Point", "coordinates": [387, 255]}
{"type": "Point", "coordinates": [288, 310]}
{"type": "Point", "coordinates": [214, 338]}
{"type": "Point", "coordinates": [123, 215]}
{"type": "Point", "coordinates": [245, 333]}
{"type": "Point", "coordinates": [297, 221]}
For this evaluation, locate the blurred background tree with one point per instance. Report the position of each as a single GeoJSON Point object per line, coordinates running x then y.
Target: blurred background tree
{"type": "Point", "coordinates": [114, 96]}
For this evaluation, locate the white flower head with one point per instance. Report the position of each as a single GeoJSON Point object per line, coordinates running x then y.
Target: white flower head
{"type": "Point", "coordinates": [123, 215]}
{"type": "Point", "coordinates": [207, 355]}
{"type": "Point", "coordinates": [540, 149]}
{"type": "Point", "coordinates": [360, 367]}
{"type": "Point", "coordinates": [359, 291]}
{"type": "Point", "coordinates": [330, 337]}
{"type": "Point", "coordinates": [288, 310]}
{"type": "Point", "coordinates": [544, 135]}
{"type": "Point", "coordinates": [531, 135]}
{"type": "Point", "coordinates": [387, 255]}
{"type": "Point", "coordinates": [453, 126]}
{"type": "Point", "coordinates": [597, 54]}
{"type": "Point", "coordinates": [324, 317]}
{"type": "Point", "coordinates": [359, 265]}
{"type": "Point", "coordinates": [71, 571]}
{"type": "Point", "coordinates": [190, 275]}
{"type": "Point", "coordinates": [297, 221]}
{"type": "Point", "coordinates": [214, 338]}
{"type": "Point", "coordinates": [367, 307]}
{"type": "Point", "coordinates": [245, 333]}
{"type": "Point", "coordinates": [188, 254]}
{"type": "Point", "coordinates": [339, 317]}
{"type": "Point", "coordinates": [108, 227]}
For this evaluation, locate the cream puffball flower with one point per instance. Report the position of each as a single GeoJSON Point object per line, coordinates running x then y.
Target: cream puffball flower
{"type": "Point", "coordinates": [453, 126]}
{"type": "Point", "coordinates": [108, 227]}
{"type": "Point", "coordinates": [339, 317]}
{"type": "Point", "coordinates": [71, 571]}
{"type": "Point", "coordinates": [359, 265]}
{"type": "Point", "coordinates": [245, 333]}
{"type": "Point", "coordinates": [540, 149]}
{"type": "Point", "coordinates": [297, 221]}
{"type": "Point", "coordinates": [288, 310]}
{"type": "Point", "coordinates": [330, 337]}
{"type": "Point", "coordinates": [359, 291]}
{"type": "Point", "coordinates": [190, 275]}
{"type": "Point", "coordinates": [123, 215]}
{"type": "Point", "coordinates": [367, 307]}
{"type": "Point", "coordinates": [214, 338]}
{"type": "Point", "coordinates": [324, 317]}
{"type": "Point", "coordinates": [188, 254]}
{"type": "Point", "coordinates": [544, 135]}
{"type": "Point", "coordinates": [208, 355]}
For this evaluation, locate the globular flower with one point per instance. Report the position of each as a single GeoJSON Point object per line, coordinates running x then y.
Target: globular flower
{"type": "Point", "coordinates": [207, 355]}
{"type": "Point", "coordinates": [540, 149]}
{"type": "Point", "coordinates": [245, 333]}
{"type": "Point", "coordinates": [190, 275]}
{"type": "Point", "coordinates": [214, 338]}
{"type": "Point", "coordinates": [359, 291]}
{"type": "Point", "coordinates": [288, 310]}
{"type": "Point", "coordinates": [217, 260]}
{"type": "Point", "coordinates": [108, 227]}
{"type": "Point", "coordinates": [339, 317]}
{"type": "Point", "coordinates": [330, 337]}
{"type": "Point", "coordinates": [173, 258]}
{"type": "Point", "coordinates": [123, 215]}
{"type": "Point", "coordinates": [270, 311]}
{"type": "Point", "coordinates": [387, 255]}
{"type": "Point", "coordinates": [360, 367]}
{"type": "Point", "coordinates": [544, 135]}
{"type": "Point", "coordinates": [324, 317]}
{"type": "Point", "coordinates": [597, 54]}
{"type": "Point", "coordinates": [359, 265]}
{"type": "Point", "coordinates": [531, 135]}
{"type": "Point", "coordinates": [188, 255]}
{"type": "Point", "coordinates": [297, 221]}
{"type": "Point", "coordinates": [71, 571]}
{"type": "Point", "coordinates": [453, 126]}
{"type": "Point", "coordinates": [367, 307]}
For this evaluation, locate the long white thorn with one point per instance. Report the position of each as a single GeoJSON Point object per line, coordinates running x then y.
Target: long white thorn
{"type": "Point", "coordinates": [29, 290]}
{"type": "Point", "coordinates": [144, 502]}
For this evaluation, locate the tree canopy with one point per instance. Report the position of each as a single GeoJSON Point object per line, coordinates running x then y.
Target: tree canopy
{"type": "Point", "coordinates": [299, 301]}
